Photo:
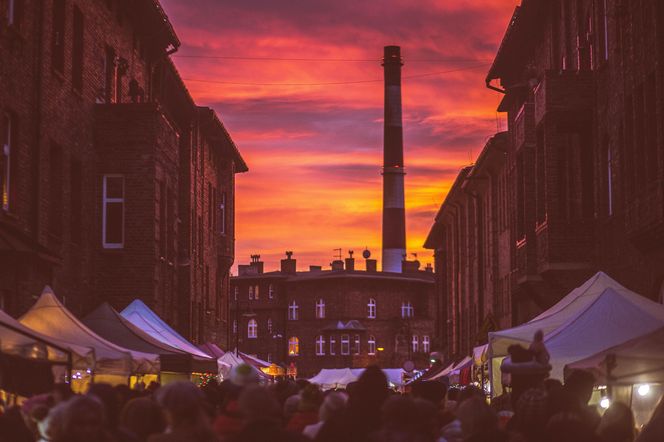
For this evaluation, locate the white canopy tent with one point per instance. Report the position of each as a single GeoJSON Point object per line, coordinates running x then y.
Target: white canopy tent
{"type": "Point", "coordinates": [144, 318]}
{"type": "Point", "coordinates": [597, 315]}
{"type": "Point", "coordinates": [329, 378]}
{"type": "Point", "coordinates": [637, 361]}
{"type": "Point", "coordinates": [228, 360]}
{"type": "Point", "coordinates": [49, 317]}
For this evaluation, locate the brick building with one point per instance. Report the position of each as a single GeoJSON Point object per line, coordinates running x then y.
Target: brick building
{"type": "Point", "coordinates": [342, 317]}
{"type": "Point", "coordinates": [115, 185]}
{"type": "Point", "coordinates": [582, 170]}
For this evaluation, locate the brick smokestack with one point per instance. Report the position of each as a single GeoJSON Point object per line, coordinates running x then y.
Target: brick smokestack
{"type": "Point", "coordinates": [394, 215]}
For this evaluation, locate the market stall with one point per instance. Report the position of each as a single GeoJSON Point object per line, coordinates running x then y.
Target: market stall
{"type": "Point", "coordinates": [599, 314]}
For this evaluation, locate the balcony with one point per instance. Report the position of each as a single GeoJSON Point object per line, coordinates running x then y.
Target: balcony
{"type": "Point", "coordinates": [644, 217]}
{"type": "Point", "coordinates": [569, 95]}
{"type": "Point", "coordinates": [564, 245]}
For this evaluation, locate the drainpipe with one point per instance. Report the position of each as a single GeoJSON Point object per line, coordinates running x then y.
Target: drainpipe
{"type": "Point", "coordinates": [37, 110]}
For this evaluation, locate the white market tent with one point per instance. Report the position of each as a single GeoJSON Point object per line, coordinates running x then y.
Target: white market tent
{"type": "Point", "coordinates": [228, 360]}
{"type": "Point", "coordinates": [340, 377]}
{"type": "Point", "coordinates": [49, 317]}
{"type": "Point", "coordinates": [597, 315]}
{"type": "Point", "coordinates": [144, 318]}
{"type": "Point", "coordinates": [637, 361]}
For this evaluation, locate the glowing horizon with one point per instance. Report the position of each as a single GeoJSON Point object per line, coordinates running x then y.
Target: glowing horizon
{"type": "Point", "coordinates": [315, 152]}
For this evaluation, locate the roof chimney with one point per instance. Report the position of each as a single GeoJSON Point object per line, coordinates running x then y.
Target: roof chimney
{"type": "Point", "coordinates": [350, 261]}
{"type": "Point", "coordinates": [288, 265]}
{"type": "Point", "coordinates": [337, 264]}
{"type": "Point", "coordinates": [315, 268]}
{"type": "Point", "coordinates": [372, 266]}
{"type": "Point", "coordinates": [257, 263]}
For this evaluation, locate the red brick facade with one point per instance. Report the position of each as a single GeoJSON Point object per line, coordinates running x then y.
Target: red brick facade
{"type": "Point", "coordinates": [383, 335]}
{"type": "Point", "coordinates": [583, 167]}
{"type": "Point", "coordinates": [118, 182]}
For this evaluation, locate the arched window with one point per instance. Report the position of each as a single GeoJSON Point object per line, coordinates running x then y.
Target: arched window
{"type": "Point", "coordinates": [236, 292]}
{"type": "Point", "coordinates": [356, 346]}
{"type": "Point", "coordinates": [252, 329]}
{"type": "Point", "coordinates": [251, 292]}
{"type": "Point", "coordinates": [416, 344]}
{"type": "Point", "coordinates": [333, 345]}
{"type": "Point", "coordinates": [320, 309]}
{"type": "Point", "coordinates": [234, 326]}
{"type": "Point", "coordinates": [256, 293]}
{"type": "Point", "coordinates": [371, 344]}
{"type": "Point", "coordinates": [345, 344]}
{"type": "Point", "coordinates": [426, 344]}
{"type": "Point", "coordinates": [293, 346]}
{"type": "Point", "coordinates": [320, 345]}
{"type": "Point", "coordinates": [407, 310]}
{"type": "Point", "coordinates": [269, 325]}
{"type": "Point", "coordinates": [293, 311]}
{"type": "Point", "coordinates": [270, 291]}
{"type": "Point", "coordinates": [371, 314]}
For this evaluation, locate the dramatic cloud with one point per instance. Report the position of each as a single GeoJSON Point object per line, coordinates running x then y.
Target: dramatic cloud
{"type": "Point", "coordinates": [311, 130]}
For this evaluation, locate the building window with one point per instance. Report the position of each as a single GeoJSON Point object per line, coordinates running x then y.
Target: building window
{"type": "Point", "coordinates": [356, 347]}
{"type": "Point", "coordinates": [236, 292]}
{"type": "Point", "coordinates": [345, 344]}
{"type": "Point", "coordinates": [234, 326]}
{"type": "Point", "coordinates": [269, 325]}
{"type": "Point", "coordinates": [371, 345]}
{"type": "Point", "coordinates": [58, 40]}
{"type": "Point", "coordinates": [6, 159]}
{"type": "Point", "coordinates": [333, 345]}
{"type": "Point", "coordinates": [371, 314]}
{"type": "Point", "coordinates": [113, 212]}
{"type": "Point", "coordinates": [222, 213]}
{"type": "Point", "coordinates": [251, 292]}
{"type": "Point", "coordinates": [426, 344]}
{"type": "Point", "coordinates": [270, 291]}
{"type": "Point", "coordinates": [320, 309]}
{"type": "Point", "coordinates": [252, 329]}
{"type": "Point", "coordinates": [293, 346]}
{"type": "Point", "coordinates": [416, 344]}
{"type": "Point", "coordinates": [77, 50]}
{"type": "Point", "coordinates": [407, 310]}
{"type": "Point", "coordinates": [256, 293]}
{"type": "Point", "coordinates": [293, 311]}
{"type": "Point", "coordinates": [320, 346]}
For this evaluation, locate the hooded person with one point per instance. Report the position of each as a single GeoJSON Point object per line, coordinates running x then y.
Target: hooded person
{"type": "Point", "coordinates": [333, 404]}
{"type": "Point", "coordinates": [307, 411]}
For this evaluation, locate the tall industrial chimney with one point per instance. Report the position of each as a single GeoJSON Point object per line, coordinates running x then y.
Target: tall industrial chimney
{"type": "Point", "coordinates": [394, 215]}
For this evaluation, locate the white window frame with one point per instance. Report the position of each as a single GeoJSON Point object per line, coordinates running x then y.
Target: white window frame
{"type": "Point", "coordinates": [407, 310]}
{"type": "Point", "coordinates": [357, 345]}
{"type": "Point", "coordinates": [320, 309]}
{"type": "Point", "coordinates": [426, 344]}
{"type": "Point", "coordinates": [105, 201]}
{"type": "Point", "coordinates": [371, 305]}
{"type": "Point", "coordinates": [415, 342]}
{"type": "Point", "coordinates": [256, 291]}
{"type": "Point", "coordinates": [371, 346]}
{"type": "Point", "coordinates": [293, 346]}
{"type": "Point", "coordinates": [251, 292]}
{"type": "Point", "coordinates": [293, 311]}
{"type": "Point", "coordinates": [333, 345]}
{"type": "Point", "coordinates": [236, 292]}
{"type": "Point", "coordinates": [320, 345]}
{"type": "Point", "coordinates": [7, 154]}
{"type": "Point", "coordinates": [270, 291]}
{"type": "Point", "coordinates": [345, 345]}
{"type": "Point", "coordinates": [269, 325]}
{"type": "Point", "coordinates": [252, 329]}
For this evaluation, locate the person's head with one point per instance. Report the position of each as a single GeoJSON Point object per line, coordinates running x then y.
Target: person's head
{"type": "Point", "coordinates": [61, 393]}
{"type": "Point", "coordinates": [370, 390]}
{"type": "Point", "coordinates": [427, 418]}
{"type": "Point", "coordinates": [81, 419]}
{"type": "Point", "coordinates": [469, 392]}
{"type": "Point", "coordinates": [143, 417]}
{"type": "Point", "coordinates": [310, 398]}
{"type": "Point", "coordinates": [257, 404]}
{"type": "Point", "coordinates": [244, 375]}
{"type": "Point", "coordinates": [432, 391]}
{"type": "Point", "coordinates": [617, 423]}
{"type": "Point", "coordinates": [108, 397]}
{"type": "Point", "coordinates": [476, 417]}
{"type": "Point", "coordinates": [580, 383]}
{"type": "Point", "coordinates": [182, 403]}
{"type": "Point", "coordinates": [333, 404]}
{"type": "Point", "coordinates": [532, 413]}
{"type": "Point", "coordinates": [291, 405]}
{"type": "Point", "coordinates": [552, 385]}
{"type": "Point", "coordinates": [398, 414]}
{"type": "Point", "coordinates": [568, 427]}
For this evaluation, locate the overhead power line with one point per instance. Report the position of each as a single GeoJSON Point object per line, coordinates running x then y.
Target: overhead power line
{"type": "Point", "coordinates": [353, 60]}
{"type": "Point", "coordinates": [335, 83]}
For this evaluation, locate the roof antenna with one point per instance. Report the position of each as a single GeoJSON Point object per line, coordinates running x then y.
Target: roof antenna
{"type": "Point", "coordinates": [337, 254]}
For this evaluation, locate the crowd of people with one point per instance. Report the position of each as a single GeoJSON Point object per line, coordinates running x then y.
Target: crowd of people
{"type": "Point", "coordinates": [240, 409]}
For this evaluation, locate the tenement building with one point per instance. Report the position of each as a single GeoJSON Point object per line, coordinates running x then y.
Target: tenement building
{"type": "Point", "coordinates": [576, 185]}
{"type": "Point", "coordinates": [336, 318]}
{"type": "Point", "coordinates": [114, 183]}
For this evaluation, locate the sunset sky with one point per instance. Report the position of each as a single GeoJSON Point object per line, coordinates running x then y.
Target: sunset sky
{"type": "Point", "coordinates": [314, 148]}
